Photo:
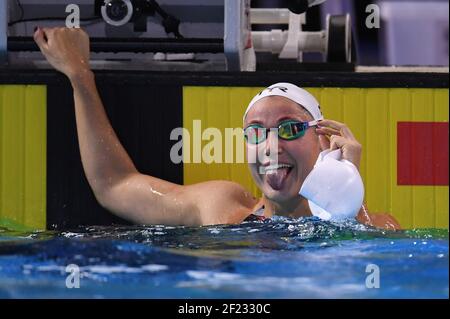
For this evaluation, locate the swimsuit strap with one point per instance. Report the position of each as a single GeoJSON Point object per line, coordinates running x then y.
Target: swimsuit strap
{"type": "Point", "coordinates": [257, 215]}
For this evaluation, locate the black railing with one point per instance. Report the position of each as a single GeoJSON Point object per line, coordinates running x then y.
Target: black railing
{"type": "Point", "coordinates": [138, 45]}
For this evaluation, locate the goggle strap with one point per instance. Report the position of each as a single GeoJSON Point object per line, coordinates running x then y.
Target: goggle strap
{"type": "Point", "coordinates": [313, 123]}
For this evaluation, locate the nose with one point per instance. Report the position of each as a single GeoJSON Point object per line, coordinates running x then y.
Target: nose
{"type": "Point", "coordinates": [271, 147]}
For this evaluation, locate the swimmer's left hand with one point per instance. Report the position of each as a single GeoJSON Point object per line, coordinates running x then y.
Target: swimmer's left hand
{"type": "Point", "coordinates": [384, 221]}
{"type": "Point", "coordinates": [378, 220]}
{"type": "Point", "coordinates": [334, 135]}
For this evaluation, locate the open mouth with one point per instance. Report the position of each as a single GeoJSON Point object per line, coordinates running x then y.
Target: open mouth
{"type": "Point", "coordinates": [276, 174]}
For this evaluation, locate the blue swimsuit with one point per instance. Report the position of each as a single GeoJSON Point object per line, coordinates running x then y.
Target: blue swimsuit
{"type": "Point", "coordinates": [257, 215]}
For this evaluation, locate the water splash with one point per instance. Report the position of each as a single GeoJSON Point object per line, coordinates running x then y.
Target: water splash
{"type": "Point", "coordinates": [277, 258]}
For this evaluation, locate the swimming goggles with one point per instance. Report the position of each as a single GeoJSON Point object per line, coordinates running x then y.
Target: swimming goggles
{"type": "Point", "coordinates": [287, 130]}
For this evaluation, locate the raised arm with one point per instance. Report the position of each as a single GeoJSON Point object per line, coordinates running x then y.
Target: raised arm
{"type": "Point", "coordinates": [114, 179]}
{"type": "Point", "coordinates": [107, 166]}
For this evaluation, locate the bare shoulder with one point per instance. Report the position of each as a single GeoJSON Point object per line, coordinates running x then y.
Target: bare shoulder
{"type": "Point", "coordinates": [221, 202]}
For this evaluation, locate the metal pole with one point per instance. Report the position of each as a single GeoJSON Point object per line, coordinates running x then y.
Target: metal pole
{"type": "Point", "coordinates": [133, 45]}
{"type": "Point", "coordinates": [269, 16]}
{"type": "Point", "coordinates": [3, 32]}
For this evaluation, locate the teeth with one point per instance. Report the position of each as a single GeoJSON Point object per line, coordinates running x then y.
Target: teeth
{"type": "Point", "coordinates": [277, 166]}
{"type": "Point", "coordinates": [271, 169]}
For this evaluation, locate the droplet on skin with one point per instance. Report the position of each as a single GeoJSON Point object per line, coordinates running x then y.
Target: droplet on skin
{"type": "Point", "coordinates": [155, 191]}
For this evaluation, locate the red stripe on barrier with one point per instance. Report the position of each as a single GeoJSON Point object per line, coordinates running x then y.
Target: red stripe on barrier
{"type": "Point", "coordinates": [422, 153]}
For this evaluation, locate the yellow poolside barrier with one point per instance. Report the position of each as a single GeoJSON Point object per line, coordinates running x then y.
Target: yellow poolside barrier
{"type": "Point", "coordinates": [23, 156]}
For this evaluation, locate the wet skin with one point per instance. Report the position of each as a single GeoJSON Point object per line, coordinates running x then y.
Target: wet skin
{"type": "Point", "coordinates": [144, 199]}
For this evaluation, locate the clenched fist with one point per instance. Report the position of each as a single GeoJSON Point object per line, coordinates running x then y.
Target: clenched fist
{"type": "Point", "coordinates": [67, 50]}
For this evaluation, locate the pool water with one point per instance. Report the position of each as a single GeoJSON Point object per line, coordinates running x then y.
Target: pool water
{"type": "Point", "coordinates": [278, 258]}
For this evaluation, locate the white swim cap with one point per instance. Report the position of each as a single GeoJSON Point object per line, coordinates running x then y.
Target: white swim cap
{"type": "Point", "coordinates": [334, 188]}
{"type": "Point", "coordinates": [292, 92]}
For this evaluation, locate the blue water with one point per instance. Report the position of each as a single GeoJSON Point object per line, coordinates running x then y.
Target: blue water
{"type": "Point", "coordinates": [280, 258]}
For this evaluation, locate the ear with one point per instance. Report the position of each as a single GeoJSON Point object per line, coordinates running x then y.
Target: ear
{"type": "Point", "coordinates": [324, 142]}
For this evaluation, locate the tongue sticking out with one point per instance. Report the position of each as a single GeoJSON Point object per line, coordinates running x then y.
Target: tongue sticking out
{"type": "Point", "coordinates": [277, 177]}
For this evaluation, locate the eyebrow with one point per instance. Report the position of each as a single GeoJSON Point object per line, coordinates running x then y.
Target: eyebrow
{"type": "Point", "coordinates": [254, 122]}
{"type": "Point", "coordinates": [288, 118]}
{"type": "Point", "coordinates": [279, 121]}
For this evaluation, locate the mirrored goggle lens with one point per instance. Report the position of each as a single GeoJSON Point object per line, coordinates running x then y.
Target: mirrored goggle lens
{"type": "Point", "coordinates": [255, 135]}
{"type": "Point", "coordinates": [286, 131]}
{"type": "Point", "coordinates": [291, 130]}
